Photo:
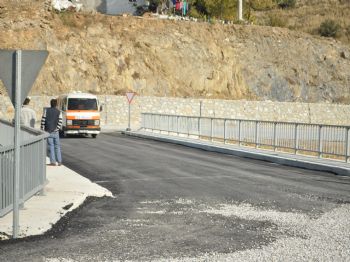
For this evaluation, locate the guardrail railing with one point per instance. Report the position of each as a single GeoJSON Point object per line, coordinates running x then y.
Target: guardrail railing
{"type": "Point", "coordinates": [32, 164]}
{"type": "Point", "coordinates": [323, 141]}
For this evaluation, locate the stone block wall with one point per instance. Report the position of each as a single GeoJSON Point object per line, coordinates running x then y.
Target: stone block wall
{"type": "Point", "coordinates": [115, 110]}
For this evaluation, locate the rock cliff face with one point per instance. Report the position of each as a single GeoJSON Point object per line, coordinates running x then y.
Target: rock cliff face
{"type": "Point", "coordinates": [110, 55]}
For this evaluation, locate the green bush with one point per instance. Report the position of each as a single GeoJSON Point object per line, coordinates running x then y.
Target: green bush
{"type": "Point", "coordinates": [286, 3]}
{"type": "Point", "coordinates": [329, 28]}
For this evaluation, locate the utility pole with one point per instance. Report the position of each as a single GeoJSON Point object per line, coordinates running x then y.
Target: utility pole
{"type": "Point", "coordinates": [240, 10]}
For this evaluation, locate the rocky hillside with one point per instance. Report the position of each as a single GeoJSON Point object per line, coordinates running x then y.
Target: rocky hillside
{"type": "Point", "coordinates": [110, 55]}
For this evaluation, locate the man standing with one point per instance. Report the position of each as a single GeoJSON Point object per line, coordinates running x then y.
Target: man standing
{"type": "Point", "coordinates": [28, 116]}
{"type": "Point", "coordinates": [51, 122]}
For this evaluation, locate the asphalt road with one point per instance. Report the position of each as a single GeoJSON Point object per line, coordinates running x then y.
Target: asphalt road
{"type": "Point", "coordinates": [178, 203]}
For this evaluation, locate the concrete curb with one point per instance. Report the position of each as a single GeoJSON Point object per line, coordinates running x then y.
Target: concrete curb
{"type": "Point", "coordinates": [282, 159]}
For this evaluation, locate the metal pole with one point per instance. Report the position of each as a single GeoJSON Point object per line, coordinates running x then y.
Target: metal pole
{"type": "Point", "coordinates": [274, 136]}
{"type": "Point", "coordinates": [177, 125]}
{"type": "Point", "coordinates": [240, 10]}
{"type": "Point", "coordinates": [199, 119]}
{"type": "Point", "coordinates": [188, 126]}
{"type": "Point", "coordinates": [129, 129]}
{"type": "Point", "coordinates": [347, 149]}
{"type": "Point", "coordinates": [225, 125]}
{"type": "Point", "coordinates": [256, 134]}
{"type": "Point", "coordinates": [211, 129]}
{"type": "Point", "coordinates": [296, 138]}
{"type": "Point", "coordinates": [239, 132]}
{"type": "Point", "coordinates": [17, 143]}
{"type": "Point", "coordinates": [199, 127]}
{"type": "Point", "coordinates": [320, 141]}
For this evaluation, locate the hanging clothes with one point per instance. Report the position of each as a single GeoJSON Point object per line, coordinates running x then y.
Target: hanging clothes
{"type": "Point", "coordinates": [184, 8]}
{"type": "Point", "coordinates": [177, 5]}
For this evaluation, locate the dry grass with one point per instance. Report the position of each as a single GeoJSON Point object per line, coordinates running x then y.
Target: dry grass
{"type": "Point", "coordinates": [307, 16]}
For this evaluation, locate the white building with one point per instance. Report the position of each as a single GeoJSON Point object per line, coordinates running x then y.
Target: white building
{"type": "Point", "coordinates": [114, 7]}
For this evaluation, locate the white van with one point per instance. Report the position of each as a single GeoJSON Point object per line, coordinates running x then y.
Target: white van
{"type": "Point", "coordinates": [80, 113]}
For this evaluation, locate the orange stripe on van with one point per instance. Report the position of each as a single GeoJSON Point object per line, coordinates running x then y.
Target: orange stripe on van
{"type": "Point", "coordinates": [78, 118]}
{"type": "Point", "coordinates": [78, 111]}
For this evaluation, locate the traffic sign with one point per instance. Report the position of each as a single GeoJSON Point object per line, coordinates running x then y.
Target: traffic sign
{"type": "Point", "coordinates": [130, 96]}
{"type": "Point", "coordinates": [31, 63]}
{"type": "Point", "coordinates": [18, 71]}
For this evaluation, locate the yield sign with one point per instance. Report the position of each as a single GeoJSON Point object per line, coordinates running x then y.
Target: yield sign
{"type": "Point", "coordinates": [130, 96]}
{"type": "Point", "coordinates": [31, 64]}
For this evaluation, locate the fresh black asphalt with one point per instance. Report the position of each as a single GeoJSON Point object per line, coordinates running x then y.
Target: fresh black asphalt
{"type": "Point", "coordinates": [161, 194]}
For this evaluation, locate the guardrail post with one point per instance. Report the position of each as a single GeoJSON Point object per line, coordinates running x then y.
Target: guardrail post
{"type": "Point", "coordinates": [199, 127]}
{"type": "Point", "coordinates": [168, 124]}
{"type": "Point", "coordinates": [188, 126]}
{"type": "Point", "coordinates": [320, 144]}
{"type": "Point", "coordinates": [225, 125]}
{"type": "Point", "coordinates": [239, 133]}
{"type": "Point", "coordinates": [211, 130]}
{"type": "Point", "coordinates": [296, 138]}
{"type": "Point", "coordinates": [347, 149]}
{"type": "Point", "coordinates": [177, 125]}
{"type": "Point", "coordinates": [256, 134]}
{"type": "Point", "coordinates": [43, 166]}
{"type": "Point", "coordinates": [275, 136]}
{"type": "Point", "coordinates": [142, 121]}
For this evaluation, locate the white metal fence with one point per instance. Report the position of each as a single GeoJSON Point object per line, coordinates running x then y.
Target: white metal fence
{"type": "Point", "coordinates": [32, 164]}
{"type": "Point", "coordinates": [326, 141]}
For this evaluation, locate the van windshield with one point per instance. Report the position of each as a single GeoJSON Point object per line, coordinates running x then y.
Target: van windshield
{"type": "Point", "coordinates": [82, 104]}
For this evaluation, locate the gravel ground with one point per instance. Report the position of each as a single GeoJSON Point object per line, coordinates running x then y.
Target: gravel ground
{"type": "Point", "coordinates": [302, 238]}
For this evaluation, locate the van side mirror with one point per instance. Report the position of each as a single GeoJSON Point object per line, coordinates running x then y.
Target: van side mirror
{"type": "Point", "coordinates": [101, 108]}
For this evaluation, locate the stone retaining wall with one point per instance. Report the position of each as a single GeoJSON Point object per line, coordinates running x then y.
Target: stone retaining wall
{"type": "Point", "coordinates": [115, 110]}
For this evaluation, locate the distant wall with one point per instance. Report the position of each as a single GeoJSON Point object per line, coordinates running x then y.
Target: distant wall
{"type": "Point", "coordinates": [115, 113]}
{"type": "Point", "coordinates": [112, 7]}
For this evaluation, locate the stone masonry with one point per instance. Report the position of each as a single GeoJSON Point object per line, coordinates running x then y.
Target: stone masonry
{"type": "Point", "coordinates": [115, 110]}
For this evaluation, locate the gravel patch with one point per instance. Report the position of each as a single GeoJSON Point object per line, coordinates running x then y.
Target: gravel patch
{"type": "Point", "coordinates": [324, 239]}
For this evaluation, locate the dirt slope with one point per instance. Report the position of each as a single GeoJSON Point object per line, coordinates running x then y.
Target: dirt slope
{"type": "Point", "coordinates": [109, 55]}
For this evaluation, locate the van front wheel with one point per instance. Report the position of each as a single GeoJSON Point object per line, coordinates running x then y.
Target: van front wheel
{"type": "Point", "coordinates": [94, 135]}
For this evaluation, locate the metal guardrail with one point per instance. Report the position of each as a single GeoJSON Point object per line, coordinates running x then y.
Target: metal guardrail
{"type": "Point", "coordinates": [323, 141]}
{"type": "Point", "coordinates": [32, 164]}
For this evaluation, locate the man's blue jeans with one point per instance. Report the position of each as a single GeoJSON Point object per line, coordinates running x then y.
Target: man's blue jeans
{"type": "Point", "coordinates": [53, 142]}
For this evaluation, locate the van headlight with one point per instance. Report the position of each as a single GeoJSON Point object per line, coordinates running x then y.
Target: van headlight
{"type": "Point", "coordinates": [97, 122]}
{"type": "Point", "coordinates": [69, 122]}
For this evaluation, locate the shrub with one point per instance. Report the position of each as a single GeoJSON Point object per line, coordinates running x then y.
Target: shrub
{"type": "Point", "coordinates": [276, 21]}
{"type": "Point", "coordinates": [261, 5]}
{"type": "Point", "coordinates": [286, 3]}
{"type": "Point", "coordinates": [329, 28]}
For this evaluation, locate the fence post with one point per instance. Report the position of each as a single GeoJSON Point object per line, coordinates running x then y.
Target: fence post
{"type": "Point", "coordinates": [199, 127]}
{"type": "Point", "coordinates": [211, 129]}
{"type": "Point", "coordinates": [188, 126]}
{"type": "Point", "coordinates": [256, 134]}
{"type": "Point", "coordinates": [347, 149]}
{"type": "Point", "coordinates": [239, 132]}
{"type": "Point", "coordinates": [177, 125]}
{"type": "Point", "coordinates": [168, 124]}
{"type": "Point", "coordinates": [43, 165]}
{"type": "Point", "coordinates": [225, 125]}
{"type": "Point", "coordinates": [296, 137]}
{"type": "Point", "coordinates": [275, 136]}
{"type": "Point", "coordinates": [320, 145]}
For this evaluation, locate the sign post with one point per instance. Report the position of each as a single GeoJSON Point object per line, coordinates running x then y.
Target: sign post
{"type": "Point", "coordinates": [129, 96]}
{"type": "Point", "coordinates": [18, 83]}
